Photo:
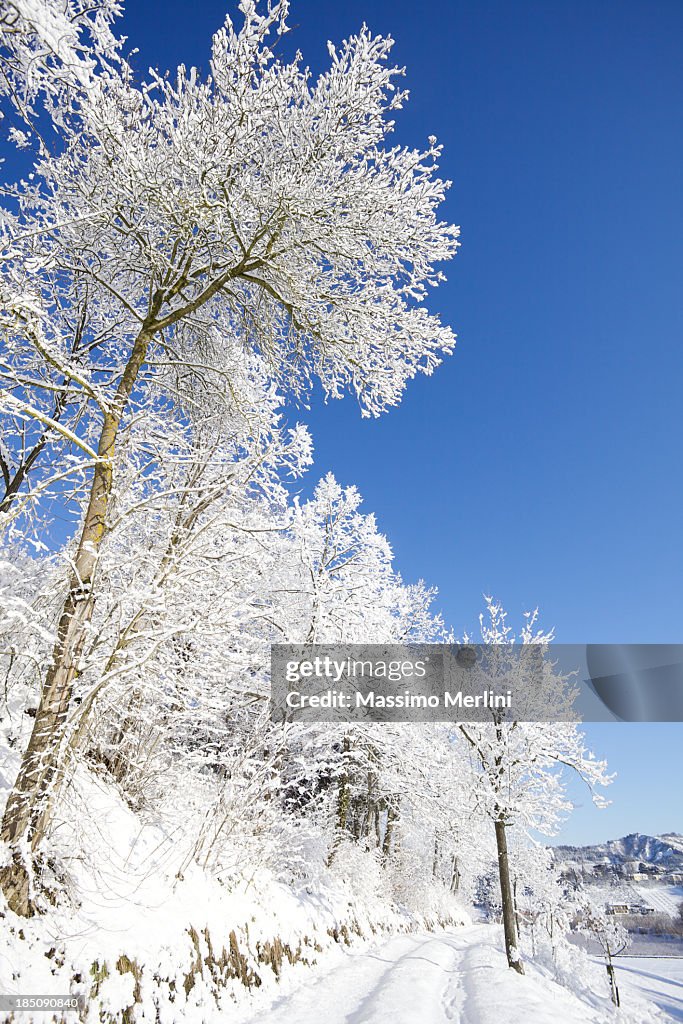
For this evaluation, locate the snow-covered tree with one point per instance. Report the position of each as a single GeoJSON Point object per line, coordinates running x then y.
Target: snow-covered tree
{"type": "Point", "coordinates": [593, 920]}
{"type": "Point", "coordinates": [49, 48]}
{"type": "Point", "coordinates": [186, 235]}
{"type": "Point", "coordinates": [520, 763]}
{"type": "Point", "coordinates": [185, 255]}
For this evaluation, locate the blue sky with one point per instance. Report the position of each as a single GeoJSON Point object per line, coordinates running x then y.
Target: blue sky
{"type": "Point", "coordinates": [542, 463]}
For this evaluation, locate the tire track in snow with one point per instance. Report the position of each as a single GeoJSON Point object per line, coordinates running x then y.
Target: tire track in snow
{"type": "Point", "coordinates": [421, 985]}
{"type": "Point", "coordinates": [404, 980]}
{"type": "Point", "coordinates": [453, 977]}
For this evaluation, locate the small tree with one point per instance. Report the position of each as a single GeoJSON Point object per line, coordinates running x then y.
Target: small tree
{"type": "Point", "coordinates": [520, 764]}
{"type": "Point", "coordinates": [611, 937]}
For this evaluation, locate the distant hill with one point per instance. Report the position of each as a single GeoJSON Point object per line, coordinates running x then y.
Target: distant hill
{"type": "Point", "coordinates": [664, 852]}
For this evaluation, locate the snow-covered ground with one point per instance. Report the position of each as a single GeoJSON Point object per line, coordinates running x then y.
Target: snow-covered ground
{"type": "Point", "coordinates": [664, 898]}
{"type": "Point", "coordinates": [455, 977]}
{"type": "Point", "coordinates": [192, 950]}
{"type": "Point", "coordinates": [655, 977]}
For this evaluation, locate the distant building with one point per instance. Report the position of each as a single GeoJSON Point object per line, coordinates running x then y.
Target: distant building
{"type": "Point", "coordinates": [637, 909]}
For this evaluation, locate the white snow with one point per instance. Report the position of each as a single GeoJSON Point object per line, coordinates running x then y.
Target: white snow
{"type": "Point", "coordinates": [658, 978]}
{"type": "Point", "coordinates": [454, 977]}
{"type": "Point", "coordinates": [664, 898]}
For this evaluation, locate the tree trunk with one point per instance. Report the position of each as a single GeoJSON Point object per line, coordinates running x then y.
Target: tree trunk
{"type": "Point", "coordinates": [455, 875]}
{"type": "Point", "coordinates": [515, 904]}
{"type": "Point", "coordinates": [28, 809]}
{"type": "Point", "coordinates": [392, 817]}
{"type": "Point", "coordinates": [370, 808]}
{"type": "Point", "coordinates": [343, 800]}
{"type": "Point", "coordinates": [614, 991]}
{"type": "Point", "coordinates": [509, 926]}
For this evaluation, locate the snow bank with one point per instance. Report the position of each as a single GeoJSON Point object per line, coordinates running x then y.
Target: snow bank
{"type": "Point", "coordinates": [145, 937]}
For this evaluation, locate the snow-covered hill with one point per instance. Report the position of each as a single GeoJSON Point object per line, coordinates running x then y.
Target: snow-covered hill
{"type": "Point", "coordinates": [673, 839]}
{"type": "Point", "coordinates": [664, 851]}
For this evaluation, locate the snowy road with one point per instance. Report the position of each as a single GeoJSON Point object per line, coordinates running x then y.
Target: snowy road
{"type": "Point", "coordinates": [455, 977]}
